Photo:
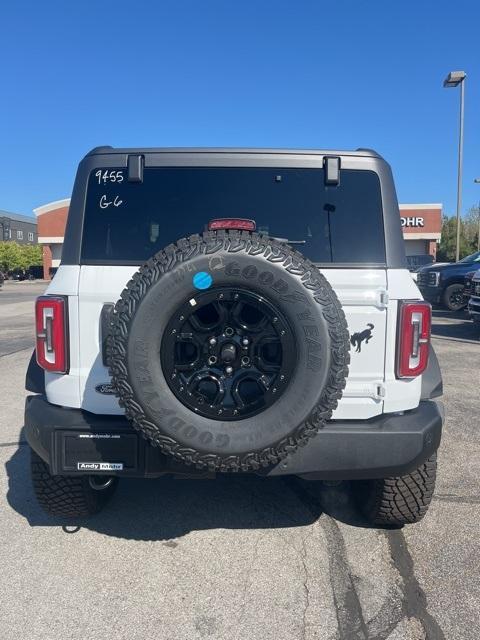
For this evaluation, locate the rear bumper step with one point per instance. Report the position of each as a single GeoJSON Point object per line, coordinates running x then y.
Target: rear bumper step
{"type": "Point", "coordinates": [75, 442]}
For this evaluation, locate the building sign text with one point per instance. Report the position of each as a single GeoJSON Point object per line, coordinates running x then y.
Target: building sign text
{"type": "Point", "coordinates": [412, 222]}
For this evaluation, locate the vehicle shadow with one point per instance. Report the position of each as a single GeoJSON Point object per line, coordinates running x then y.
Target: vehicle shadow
{"type": "Point", "coordinates": [453, 315]}
{"type": "Point", "coordinates": [454, 325]}
{"type": "Point", "coordinates": [168, 508]}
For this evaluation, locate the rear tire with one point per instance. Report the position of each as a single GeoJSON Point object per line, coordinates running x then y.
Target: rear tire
{"type": "Point", "coordinates": [453, 298]}
{"type": "Point", "coordinates": [70, 497]}
{"type": "Point", "coordinates": [393, 502]}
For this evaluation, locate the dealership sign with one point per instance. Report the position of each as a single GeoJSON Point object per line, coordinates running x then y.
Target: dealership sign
{"type": "Point", "coordinates": [412, 222]}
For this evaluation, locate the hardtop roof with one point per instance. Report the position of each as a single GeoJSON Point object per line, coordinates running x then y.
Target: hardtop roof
{"type": "Point", "coordinates": [362, 152]}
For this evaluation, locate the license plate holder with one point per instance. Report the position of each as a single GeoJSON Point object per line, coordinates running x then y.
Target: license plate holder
{"type": "Point", "coordinates": [103, 452]}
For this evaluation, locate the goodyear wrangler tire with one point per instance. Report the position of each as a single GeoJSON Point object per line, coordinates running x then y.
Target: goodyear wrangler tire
{"type": "Point", "coordinates": [394, 502]}
{"type": "Point", "coordinates": [71, 497]}
{"type": "Point", "coordinates": [228, 350]}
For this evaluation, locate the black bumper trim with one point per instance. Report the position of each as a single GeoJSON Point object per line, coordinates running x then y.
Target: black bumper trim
{"type": "Point", "coordinates": [388, 445]}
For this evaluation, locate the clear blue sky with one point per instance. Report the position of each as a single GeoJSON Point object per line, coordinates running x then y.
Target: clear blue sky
{"type": "Point", "coordinates": [268, 73]}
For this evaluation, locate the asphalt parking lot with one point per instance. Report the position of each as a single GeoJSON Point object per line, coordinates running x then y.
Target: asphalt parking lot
{"type": "Point", "coordinates": [241, 557]}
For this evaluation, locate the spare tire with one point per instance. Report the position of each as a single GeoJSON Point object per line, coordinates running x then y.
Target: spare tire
{"type": "Point", "coordinates": [228, 350]}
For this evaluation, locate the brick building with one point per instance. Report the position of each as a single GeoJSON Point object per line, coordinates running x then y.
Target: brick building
{"type": "Point", "coordinates": [51, 221]}
{"type": "Point", "coordinates": [421, 224]}
{"type": "Point", "coordinates": [18, 228]}
{"type": "Point", "coordinates": [422, 228]}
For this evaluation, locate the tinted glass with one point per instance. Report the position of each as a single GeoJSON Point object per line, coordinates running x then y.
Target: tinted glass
{"type": "Point", "coordinates": [127, 222]}
{"type": "Point", "coordinates": [474, 257]}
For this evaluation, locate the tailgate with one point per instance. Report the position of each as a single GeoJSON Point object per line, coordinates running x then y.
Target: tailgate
{"type": "Point", "coordinates": [364, 297]}
{"type": "Point", "coordinates": [362, 292]}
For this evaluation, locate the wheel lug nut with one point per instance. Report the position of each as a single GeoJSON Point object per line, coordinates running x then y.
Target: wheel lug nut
{"type": "Point", "coordinates": [229, 331]}
{"type": "Point", "coordinates": [213, 341]}
{"type": "Point", "coordinates": [245, 360]}
{"type": "Point", "coordinates": [245, 342]}
{"type": "Point", "coordinates": [212, 360]}
{"type": "Point", "coordinates": [228, 370]}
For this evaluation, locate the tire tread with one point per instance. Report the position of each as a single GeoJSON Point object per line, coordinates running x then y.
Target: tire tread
{"type": "Point", "coordinates": [399, 500]}
{"type": "Point", "coordinates": [65, 496]}
{"type": "Point", "coordinates": [232, 242]}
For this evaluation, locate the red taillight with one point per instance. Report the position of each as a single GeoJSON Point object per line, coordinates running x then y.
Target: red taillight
{"type": "Point", "coordinates": [241, 224]}
{"type": "Point", "coordinates": [413, 338]}
{"type": "Point", "coordinates": [51, 330]}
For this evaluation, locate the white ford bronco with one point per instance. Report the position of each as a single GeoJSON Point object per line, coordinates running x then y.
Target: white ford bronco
{"type": "Point", "coordinates": [234, 310]}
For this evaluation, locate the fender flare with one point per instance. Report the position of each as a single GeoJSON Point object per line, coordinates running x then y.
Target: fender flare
{"type": "Point", "coordinates": [35, 377]}
{"type": "Point", "coordinates": [432, 383]}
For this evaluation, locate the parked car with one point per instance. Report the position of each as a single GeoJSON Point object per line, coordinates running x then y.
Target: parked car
{"type": "Point", "coordinates": [164, 350]}
{"type": "Point", "coordinates": [2, 279]}
{"type": "Point", "coordinates": [443, 284]}
{"type": "Point", "coordinates": [17, 274]}
{"type": "Point", "coordinates": [474, 301]}
{"type": "Point", "coordinates": [35, 272]}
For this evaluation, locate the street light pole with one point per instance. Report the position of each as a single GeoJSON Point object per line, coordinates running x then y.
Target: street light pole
{"type": "Point", "coordinates": [460, 169]}
{"type": "Point", "coordinates": [477, 181]}
{"type": "Point", "coordinates": [454, 79]}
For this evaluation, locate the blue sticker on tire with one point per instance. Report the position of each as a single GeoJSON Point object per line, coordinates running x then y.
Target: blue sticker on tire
{"type": "Point", "coordinates": [202, 280]}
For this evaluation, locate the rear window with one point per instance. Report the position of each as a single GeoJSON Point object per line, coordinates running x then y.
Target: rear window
{"type": "Point", "coordinates": [127, 222]}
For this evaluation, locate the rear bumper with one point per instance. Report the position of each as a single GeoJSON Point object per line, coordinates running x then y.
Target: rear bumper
{"type": "Point", "coordinates": [75, 442]}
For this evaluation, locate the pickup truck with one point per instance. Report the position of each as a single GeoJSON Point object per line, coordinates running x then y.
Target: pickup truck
{"type": "Point", "coordinates": [443, 283]}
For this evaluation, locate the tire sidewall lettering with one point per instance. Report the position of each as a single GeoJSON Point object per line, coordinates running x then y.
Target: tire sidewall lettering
{"type": "Point", "coordinates": [266, 278]}
{"type": "Point", "coordinates": [297, 305]}
{"type": "Point", "coordinates": [160, 295]}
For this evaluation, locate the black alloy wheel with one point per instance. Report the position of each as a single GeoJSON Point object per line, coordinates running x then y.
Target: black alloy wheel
{"type": "Point", "coordinates": [228, 354]}
{"type": "Point", "coordinates": [454, 298]}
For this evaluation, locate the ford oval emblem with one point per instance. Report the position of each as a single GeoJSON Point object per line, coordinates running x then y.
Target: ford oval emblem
{"type": "Point", "coordinates": [106, 389]}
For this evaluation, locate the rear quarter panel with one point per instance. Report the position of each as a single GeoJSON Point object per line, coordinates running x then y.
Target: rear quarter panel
{"type": "Point", "coordinates": [404, 394]}
{"type": "Point", "coordinates": [61, 389]}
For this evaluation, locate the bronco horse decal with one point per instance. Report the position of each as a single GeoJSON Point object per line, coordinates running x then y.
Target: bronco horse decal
{"type": "Point", "coordinates": [358, 337]}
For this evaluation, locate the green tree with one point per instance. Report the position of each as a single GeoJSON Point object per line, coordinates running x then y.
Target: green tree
{"type": "Point", "coordinates": [31, 255]}
{"type": "Point", "coordinates": [16, 256]}
{"type": "Point", "coordinates": [10, 256]}
{"type": "Point", "coordinates": [468, 236]}
{"type": "Point", "coordinates": [472, 227]}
